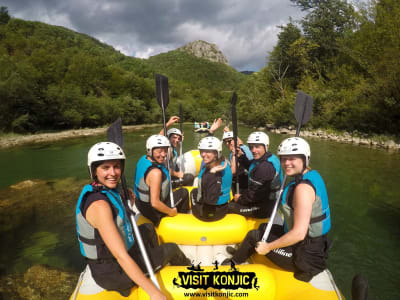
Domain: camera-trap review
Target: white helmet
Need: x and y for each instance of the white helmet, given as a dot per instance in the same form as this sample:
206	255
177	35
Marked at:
295	145
227	135
104	151
211	143
174	131
156	141
258	137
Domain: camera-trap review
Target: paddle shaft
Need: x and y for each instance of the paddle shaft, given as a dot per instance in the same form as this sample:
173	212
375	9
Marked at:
302	118
162	101
235	138
114	134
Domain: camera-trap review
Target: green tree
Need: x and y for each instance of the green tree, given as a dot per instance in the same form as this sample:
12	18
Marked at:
4	16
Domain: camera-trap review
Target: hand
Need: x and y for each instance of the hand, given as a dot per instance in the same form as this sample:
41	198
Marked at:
178	174
262	248
172	120
158	295
236	197
226	129
173	212
215	125
219	168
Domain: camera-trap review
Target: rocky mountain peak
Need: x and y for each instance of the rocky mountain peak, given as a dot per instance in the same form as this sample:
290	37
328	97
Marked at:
205	50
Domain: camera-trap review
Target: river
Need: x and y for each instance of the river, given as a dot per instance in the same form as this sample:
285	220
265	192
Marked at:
362	186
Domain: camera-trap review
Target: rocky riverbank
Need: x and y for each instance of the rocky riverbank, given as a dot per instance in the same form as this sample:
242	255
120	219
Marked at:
344	137
18	140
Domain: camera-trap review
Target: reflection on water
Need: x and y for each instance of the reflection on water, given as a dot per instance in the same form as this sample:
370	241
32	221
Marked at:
362	186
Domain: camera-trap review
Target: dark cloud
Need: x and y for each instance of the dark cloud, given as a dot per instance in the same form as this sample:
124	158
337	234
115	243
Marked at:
243	30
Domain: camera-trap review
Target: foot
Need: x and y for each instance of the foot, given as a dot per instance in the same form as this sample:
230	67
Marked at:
231	250
226	262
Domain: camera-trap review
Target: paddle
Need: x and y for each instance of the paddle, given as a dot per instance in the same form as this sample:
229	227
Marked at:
180	128
302	113
235	137
114	134
162	94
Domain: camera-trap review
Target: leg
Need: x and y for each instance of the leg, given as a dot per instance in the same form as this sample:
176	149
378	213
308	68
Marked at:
181	197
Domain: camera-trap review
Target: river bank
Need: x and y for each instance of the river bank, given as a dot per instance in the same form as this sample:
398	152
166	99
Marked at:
356	138
19	140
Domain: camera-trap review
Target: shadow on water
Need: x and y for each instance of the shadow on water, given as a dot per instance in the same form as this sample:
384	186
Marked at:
37	223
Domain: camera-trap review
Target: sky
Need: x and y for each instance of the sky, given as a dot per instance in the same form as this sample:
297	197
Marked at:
244	30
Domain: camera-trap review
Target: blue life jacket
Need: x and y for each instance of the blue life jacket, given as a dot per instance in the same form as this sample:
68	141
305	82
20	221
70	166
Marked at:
226	184
278	178
320	222
141	189
88	243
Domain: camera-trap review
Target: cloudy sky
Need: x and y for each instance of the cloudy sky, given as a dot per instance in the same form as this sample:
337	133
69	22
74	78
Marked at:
244	30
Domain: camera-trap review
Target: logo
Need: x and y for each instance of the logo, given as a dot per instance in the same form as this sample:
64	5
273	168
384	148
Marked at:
233	279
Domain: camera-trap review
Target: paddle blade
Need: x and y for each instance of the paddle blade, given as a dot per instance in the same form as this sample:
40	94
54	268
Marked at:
303	107
162	92
114	133
234	99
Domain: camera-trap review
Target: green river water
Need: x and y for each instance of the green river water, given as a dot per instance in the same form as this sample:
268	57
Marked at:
362	186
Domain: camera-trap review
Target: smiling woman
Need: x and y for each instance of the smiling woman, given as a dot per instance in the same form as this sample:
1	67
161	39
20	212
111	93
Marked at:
105	233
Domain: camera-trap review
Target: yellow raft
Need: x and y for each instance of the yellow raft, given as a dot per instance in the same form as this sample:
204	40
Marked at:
205	243
268	281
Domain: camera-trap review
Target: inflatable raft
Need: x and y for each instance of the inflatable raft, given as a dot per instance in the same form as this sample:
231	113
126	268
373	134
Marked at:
204	243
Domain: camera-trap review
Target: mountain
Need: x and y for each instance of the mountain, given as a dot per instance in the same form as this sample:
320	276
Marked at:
205	50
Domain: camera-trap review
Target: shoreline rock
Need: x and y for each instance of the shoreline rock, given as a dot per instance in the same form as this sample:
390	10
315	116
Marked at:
345	137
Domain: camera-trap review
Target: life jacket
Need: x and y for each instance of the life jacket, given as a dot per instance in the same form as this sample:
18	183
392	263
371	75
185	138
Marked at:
278	177
320	222
174	159
89	243
141	189
226	175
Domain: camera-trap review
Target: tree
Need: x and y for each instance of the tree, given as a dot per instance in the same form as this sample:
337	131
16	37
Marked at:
327	21
4	16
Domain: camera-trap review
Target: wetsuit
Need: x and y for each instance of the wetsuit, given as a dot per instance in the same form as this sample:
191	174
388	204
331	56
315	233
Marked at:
104	268
209	201
142	191
255	201
308	257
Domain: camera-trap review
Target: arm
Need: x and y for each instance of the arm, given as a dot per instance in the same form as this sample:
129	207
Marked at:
153	179
303	199
259	186
172	120
99	215
215	125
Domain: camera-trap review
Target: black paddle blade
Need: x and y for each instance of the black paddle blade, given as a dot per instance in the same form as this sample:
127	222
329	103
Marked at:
303	107
162	92
234	99
114	133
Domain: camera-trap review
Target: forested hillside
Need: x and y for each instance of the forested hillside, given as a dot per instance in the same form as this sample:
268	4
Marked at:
52	78
347	59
